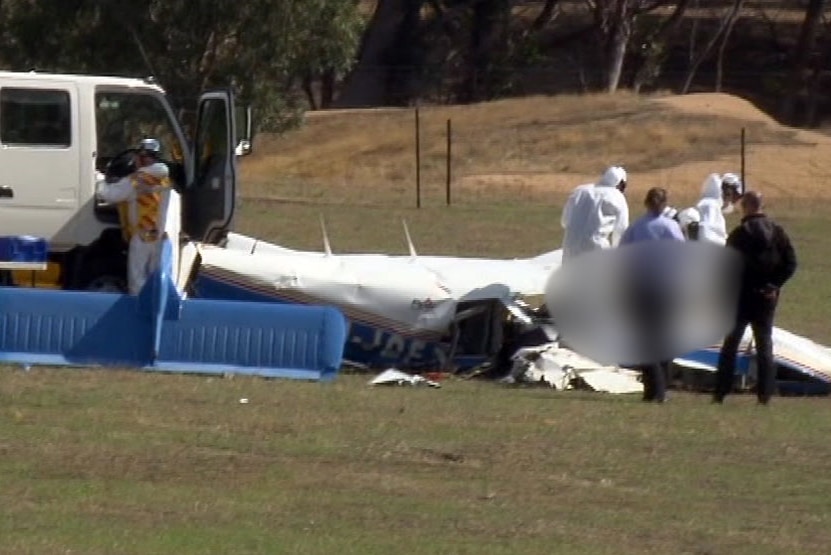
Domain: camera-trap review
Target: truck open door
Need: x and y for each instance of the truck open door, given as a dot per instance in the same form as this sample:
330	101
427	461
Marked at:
209	200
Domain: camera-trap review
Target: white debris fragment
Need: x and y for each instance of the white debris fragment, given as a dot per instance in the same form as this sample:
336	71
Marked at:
560	368
613	380
537	365
392	376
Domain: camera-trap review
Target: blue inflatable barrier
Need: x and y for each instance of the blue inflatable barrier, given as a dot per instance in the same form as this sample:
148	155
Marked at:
158	330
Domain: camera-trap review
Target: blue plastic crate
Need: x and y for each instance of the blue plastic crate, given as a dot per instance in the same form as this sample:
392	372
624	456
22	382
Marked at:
23	248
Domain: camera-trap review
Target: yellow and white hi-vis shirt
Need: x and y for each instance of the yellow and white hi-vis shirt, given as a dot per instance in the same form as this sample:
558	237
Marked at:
143	200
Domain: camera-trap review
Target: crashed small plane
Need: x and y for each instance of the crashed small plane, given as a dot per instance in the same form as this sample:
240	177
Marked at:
439	312
408	311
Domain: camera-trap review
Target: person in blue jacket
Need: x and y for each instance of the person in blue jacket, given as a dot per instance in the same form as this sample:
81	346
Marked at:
648	288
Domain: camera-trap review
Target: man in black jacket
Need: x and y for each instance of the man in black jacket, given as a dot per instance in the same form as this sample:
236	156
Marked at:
769	262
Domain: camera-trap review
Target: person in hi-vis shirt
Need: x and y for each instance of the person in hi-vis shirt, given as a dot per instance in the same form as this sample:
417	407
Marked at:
144	197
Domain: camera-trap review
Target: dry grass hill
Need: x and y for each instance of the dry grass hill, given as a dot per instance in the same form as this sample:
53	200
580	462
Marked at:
536	147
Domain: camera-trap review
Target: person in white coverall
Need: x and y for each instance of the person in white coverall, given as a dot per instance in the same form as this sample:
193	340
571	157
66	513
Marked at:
690	221
731	191
146	194
719	195
596	214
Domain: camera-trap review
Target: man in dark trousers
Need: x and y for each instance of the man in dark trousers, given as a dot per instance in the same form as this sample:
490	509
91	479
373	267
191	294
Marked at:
769	262
648	287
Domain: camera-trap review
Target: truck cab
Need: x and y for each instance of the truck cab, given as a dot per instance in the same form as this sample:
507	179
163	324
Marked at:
60	133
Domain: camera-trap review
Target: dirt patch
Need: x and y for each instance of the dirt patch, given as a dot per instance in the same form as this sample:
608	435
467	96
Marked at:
781	171
716	104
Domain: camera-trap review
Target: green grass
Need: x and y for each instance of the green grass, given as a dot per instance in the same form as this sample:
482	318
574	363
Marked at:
120	462
110	462
805	306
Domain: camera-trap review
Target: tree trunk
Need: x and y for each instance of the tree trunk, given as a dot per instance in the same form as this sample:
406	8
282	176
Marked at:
308	89
547	13
366	85
618	53
801	56
814	98
488	39
734	16
327	88
621	32
654	56
693	38
404	57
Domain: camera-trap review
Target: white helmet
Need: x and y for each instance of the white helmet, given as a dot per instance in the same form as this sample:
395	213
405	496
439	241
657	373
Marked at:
689	216
150	146
731	181
614	176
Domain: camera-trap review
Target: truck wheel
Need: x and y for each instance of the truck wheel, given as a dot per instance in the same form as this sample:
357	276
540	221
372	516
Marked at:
106	284
105	275
101	266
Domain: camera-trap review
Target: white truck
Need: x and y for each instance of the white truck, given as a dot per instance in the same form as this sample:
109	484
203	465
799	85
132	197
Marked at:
57	132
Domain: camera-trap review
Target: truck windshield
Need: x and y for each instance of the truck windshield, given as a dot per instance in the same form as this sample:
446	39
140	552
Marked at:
124	118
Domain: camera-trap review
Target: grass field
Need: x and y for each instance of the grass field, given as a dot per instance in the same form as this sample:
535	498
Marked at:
99	462
108	462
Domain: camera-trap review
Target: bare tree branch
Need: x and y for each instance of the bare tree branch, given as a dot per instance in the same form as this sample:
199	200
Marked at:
547	14
131	28
652	6
652	61
801	55
734	10
734	16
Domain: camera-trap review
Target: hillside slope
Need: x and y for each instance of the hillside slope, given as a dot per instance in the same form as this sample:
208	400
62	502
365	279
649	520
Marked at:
539	146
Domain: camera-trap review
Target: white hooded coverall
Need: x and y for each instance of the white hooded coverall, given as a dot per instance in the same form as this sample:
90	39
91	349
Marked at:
687	217
147	194
595	215
713	227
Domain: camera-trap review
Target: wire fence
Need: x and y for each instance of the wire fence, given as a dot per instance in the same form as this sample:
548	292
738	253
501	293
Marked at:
531	151
536	149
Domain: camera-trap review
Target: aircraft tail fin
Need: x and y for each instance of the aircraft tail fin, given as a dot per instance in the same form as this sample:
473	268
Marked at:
410	246
326	246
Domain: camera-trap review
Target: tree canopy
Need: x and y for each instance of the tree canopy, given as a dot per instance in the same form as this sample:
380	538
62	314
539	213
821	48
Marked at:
263	48
285	56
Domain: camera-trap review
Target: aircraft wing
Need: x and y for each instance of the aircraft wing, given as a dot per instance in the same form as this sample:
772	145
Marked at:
468	278
801	359
404	298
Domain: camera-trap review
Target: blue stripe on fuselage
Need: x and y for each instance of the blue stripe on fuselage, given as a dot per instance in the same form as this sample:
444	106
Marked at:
365	343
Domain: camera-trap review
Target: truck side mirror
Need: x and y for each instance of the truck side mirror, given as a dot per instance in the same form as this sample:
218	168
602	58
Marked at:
243	148
244	135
